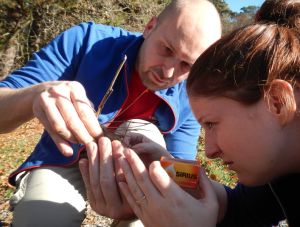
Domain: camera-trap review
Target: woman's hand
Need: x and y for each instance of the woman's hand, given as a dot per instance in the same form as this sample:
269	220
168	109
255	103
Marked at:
165	203
147	150
101	174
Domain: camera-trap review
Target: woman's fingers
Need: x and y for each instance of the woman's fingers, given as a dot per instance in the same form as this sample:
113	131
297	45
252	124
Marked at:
131	180
161	191
142	145
130	199
166	186
132	138
141	173
207	191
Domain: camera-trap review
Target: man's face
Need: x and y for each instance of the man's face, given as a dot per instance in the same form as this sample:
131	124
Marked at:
169	51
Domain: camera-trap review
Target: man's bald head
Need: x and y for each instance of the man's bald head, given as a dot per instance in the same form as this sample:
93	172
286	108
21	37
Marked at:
205	10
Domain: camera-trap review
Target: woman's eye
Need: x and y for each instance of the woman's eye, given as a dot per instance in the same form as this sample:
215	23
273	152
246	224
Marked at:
210	124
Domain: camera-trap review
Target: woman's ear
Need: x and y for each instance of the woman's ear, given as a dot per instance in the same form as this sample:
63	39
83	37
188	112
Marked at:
281	101
150	27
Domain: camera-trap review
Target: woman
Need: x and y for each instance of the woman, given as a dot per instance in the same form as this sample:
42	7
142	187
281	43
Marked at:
244	91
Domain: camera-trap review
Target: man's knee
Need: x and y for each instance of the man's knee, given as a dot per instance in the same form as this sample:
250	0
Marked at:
47	214
50	196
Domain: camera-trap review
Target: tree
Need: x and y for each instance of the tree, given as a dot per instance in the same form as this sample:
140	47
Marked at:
16	15
245	17
250	10
222	7
11	24
225	13
26	26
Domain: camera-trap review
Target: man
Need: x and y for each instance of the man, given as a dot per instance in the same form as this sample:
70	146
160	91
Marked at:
77	67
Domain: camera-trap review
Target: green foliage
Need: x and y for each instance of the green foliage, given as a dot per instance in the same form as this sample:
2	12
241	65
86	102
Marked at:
222	7
217	171
233	20
250	10
245	17
225	13
9	192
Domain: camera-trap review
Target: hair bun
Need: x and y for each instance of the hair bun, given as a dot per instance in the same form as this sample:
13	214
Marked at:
281	12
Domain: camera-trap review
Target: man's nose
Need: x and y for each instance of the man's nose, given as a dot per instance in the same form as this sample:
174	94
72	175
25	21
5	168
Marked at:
169	68
212	149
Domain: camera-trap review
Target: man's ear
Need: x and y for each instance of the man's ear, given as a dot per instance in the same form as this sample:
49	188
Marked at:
150	27
281	101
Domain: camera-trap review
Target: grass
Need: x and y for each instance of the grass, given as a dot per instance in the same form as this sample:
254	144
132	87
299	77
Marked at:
15	147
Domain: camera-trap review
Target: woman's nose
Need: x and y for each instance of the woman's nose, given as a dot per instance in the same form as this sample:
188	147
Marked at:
212	149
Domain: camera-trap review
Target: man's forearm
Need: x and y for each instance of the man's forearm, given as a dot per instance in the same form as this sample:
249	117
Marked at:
16	107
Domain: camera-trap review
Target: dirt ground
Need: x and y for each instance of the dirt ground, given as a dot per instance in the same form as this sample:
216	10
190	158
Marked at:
17	146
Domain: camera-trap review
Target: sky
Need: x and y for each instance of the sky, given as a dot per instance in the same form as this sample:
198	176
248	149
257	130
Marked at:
236	5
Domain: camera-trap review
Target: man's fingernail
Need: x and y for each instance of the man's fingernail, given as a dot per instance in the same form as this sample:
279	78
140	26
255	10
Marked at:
105	141
68	152
121	160
115	145
121	185
82	164
126	152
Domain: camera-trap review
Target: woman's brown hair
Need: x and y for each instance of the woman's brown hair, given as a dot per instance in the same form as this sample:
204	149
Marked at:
242	64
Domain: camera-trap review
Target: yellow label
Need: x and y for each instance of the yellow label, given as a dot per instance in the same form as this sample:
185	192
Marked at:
184	172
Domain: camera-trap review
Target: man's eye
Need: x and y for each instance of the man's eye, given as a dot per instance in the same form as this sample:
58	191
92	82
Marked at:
167	48
187	65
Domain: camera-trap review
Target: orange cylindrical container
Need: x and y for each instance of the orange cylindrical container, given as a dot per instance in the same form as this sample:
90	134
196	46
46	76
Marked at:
184	172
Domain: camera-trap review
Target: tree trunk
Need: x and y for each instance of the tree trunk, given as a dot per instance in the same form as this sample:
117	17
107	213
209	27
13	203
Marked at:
7	59
8	49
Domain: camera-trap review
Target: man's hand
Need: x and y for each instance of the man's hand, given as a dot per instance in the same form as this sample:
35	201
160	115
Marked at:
165	203
147	150
101	174
65	111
